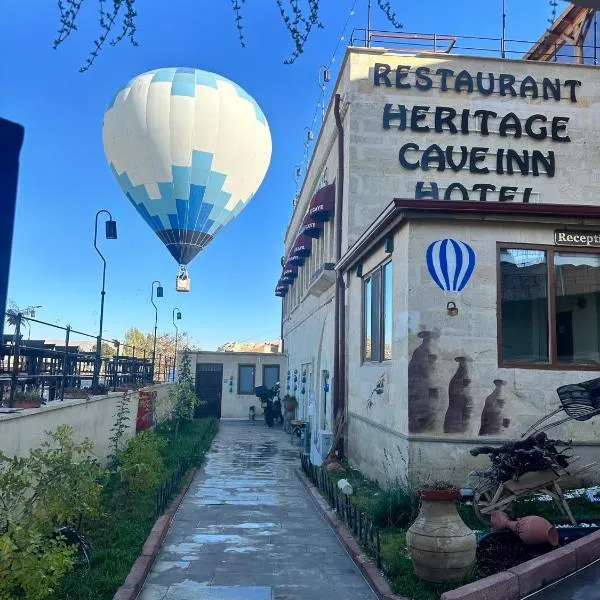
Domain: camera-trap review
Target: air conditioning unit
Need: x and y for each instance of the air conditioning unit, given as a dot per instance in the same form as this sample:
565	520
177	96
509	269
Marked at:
324	441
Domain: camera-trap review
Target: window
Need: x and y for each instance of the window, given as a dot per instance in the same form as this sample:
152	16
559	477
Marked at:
270	375
246	378
549	308
377	314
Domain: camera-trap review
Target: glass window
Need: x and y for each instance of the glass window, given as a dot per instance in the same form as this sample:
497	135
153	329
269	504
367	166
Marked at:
377	314
577	307
550	315
270	375
246	377
387	312
524	305
367	317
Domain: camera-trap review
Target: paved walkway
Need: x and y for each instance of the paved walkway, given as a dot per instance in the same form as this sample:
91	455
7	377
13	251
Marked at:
248	530
584	585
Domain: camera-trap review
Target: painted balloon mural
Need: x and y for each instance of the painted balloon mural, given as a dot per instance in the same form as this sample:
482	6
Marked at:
450	264
189	149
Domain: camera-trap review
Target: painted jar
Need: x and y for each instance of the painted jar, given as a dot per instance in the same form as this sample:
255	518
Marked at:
442	547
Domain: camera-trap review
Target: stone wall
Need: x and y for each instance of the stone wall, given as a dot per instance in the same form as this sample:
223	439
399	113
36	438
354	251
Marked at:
23	431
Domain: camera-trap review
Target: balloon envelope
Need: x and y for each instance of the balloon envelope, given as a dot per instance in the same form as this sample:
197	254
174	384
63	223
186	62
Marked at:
189	149
450	264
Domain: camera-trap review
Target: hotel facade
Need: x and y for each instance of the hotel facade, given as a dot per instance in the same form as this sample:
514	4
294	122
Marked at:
442	264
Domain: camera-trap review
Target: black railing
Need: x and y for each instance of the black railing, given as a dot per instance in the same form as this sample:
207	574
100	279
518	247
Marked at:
47	369
169	488
359	524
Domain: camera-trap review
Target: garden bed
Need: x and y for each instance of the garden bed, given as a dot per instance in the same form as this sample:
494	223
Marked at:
392	510
118	534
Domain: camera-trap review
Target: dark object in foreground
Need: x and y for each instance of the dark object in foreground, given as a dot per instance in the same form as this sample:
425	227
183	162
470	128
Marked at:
11	140
502	550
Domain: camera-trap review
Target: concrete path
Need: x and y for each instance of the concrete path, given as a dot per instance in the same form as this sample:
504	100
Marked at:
584	585
247	530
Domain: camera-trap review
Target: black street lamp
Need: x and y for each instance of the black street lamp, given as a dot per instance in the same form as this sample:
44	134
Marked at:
176	315
111	234
159	294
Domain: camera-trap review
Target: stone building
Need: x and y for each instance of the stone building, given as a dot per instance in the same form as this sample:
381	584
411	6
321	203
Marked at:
226	380
442	270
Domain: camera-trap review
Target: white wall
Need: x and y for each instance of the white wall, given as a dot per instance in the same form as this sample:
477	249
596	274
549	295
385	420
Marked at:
93	419
234	405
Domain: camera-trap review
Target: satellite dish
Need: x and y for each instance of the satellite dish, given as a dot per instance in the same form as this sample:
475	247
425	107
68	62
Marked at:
587	3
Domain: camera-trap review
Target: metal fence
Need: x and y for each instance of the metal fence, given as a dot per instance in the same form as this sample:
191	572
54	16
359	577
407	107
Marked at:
50	371
361	526
168	489
408	42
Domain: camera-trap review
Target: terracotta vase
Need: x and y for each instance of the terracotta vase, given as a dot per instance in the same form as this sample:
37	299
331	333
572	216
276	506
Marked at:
442	547
532	529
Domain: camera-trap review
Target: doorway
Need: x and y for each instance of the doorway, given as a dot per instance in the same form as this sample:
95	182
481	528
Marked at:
209	388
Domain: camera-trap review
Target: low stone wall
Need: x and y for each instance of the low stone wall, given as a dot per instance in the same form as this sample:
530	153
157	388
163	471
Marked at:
93	419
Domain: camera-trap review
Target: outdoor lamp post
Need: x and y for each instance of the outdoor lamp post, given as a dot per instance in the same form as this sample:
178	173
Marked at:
176	316
159	294
111	234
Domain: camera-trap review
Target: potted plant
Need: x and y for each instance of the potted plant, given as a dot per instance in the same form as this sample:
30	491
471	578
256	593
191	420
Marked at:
290	403
27	400
441	545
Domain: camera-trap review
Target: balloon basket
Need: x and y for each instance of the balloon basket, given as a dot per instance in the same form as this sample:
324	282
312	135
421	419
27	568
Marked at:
183	281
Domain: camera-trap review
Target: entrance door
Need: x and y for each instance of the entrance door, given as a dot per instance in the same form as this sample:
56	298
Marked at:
209	388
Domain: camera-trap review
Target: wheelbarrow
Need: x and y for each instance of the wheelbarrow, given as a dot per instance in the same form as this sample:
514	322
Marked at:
534	465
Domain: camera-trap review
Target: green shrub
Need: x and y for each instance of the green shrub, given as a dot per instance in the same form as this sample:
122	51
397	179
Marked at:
56	485
142	466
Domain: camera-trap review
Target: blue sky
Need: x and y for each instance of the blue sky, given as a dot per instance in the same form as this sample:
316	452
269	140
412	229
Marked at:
65	179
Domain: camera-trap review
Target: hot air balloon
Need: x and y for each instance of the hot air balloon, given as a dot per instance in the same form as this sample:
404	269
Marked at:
450	264
189	149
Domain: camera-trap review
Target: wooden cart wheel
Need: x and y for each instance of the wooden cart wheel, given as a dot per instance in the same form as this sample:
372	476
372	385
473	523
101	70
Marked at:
491	497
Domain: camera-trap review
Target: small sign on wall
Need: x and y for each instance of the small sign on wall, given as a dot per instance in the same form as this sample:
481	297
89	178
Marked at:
563	237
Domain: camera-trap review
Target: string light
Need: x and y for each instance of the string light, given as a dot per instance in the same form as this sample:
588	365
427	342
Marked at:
323	69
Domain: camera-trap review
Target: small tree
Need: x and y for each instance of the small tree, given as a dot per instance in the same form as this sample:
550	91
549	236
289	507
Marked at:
183	395
120	425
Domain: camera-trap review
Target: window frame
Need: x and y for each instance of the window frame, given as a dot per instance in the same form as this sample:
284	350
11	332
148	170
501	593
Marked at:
381	267
552	364
240	365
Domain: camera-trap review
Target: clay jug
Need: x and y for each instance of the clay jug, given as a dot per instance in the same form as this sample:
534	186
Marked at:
441	545
532	529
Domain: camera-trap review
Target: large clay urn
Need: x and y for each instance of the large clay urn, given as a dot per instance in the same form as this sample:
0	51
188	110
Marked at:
441	545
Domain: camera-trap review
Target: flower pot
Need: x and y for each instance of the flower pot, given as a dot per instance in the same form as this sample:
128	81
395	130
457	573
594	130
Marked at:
28	403
441	545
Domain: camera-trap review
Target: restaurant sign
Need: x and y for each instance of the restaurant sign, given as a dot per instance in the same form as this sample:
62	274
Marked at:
577	238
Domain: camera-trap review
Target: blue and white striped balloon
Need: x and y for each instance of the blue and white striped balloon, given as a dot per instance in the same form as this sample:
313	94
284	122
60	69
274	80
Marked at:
189	149
450	264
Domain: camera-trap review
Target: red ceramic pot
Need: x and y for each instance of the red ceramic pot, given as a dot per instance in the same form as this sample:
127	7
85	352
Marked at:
438	495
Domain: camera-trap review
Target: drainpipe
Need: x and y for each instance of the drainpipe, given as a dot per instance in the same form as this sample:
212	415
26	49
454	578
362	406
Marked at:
281	332
339	357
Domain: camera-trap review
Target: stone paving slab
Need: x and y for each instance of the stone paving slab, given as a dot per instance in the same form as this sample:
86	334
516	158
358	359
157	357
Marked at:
248	530
583	585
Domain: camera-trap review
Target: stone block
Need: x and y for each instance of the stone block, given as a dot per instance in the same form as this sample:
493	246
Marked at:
139	571
587	549
502	586
539	572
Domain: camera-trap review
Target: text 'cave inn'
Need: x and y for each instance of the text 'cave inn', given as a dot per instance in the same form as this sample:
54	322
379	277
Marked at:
441	276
